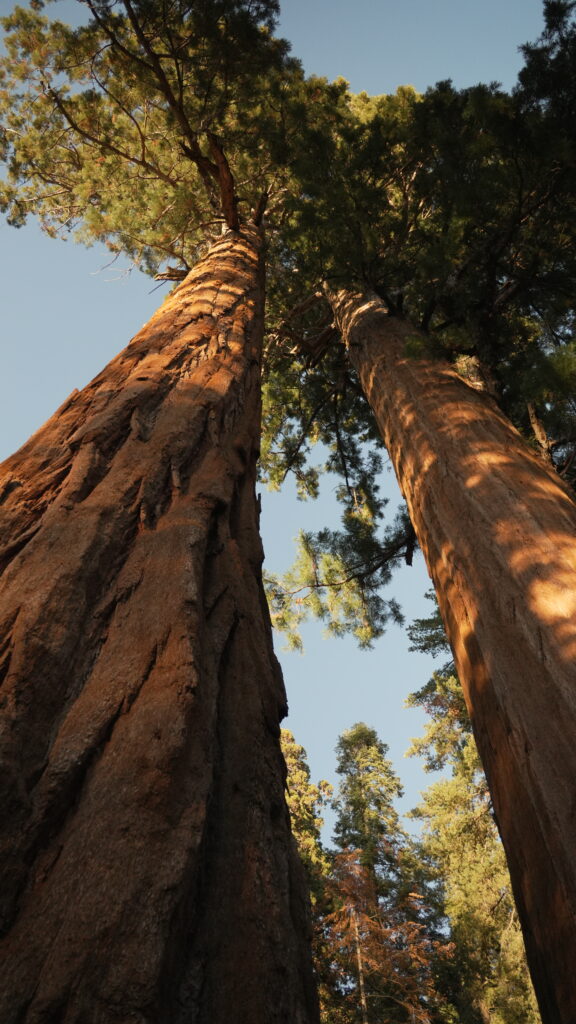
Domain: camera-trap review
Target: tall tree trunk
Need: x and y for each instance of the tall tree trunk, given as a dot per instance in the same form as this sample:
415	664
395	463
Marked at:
148	868
498	531
363	1002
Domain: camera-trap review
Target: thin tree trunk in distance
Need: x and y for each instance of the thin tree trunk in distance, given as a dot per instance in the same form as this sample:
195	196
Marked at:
363	1003
148	868
498	531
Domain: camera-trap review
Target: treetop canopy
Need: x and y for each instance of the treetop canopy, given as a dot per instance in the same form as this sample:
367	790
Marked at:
154	126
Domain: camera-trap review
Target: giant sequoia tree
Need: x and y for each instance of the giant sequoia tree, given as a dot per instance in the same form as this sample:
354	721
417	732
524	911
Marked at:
148	870
148	866
497	529
443	227
468	261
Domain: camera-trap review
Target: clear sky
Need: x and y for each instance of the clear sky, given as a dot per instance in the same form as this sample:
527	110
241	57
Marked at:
64	315
378	45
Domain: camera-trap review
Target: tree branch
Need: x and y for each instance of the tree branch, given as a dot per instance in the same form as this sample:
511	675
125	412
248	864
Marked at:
228	195
104	144
393	550
305	431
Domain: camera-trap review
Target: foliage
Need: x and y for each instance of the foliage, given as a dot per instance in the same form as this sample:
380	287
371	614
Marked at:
383	934
427	635
377	944
157	124
150	128
457	208
337	576
367	818
447	733
382	950
404	929
547	78
154	125
126	129
306	801
490	978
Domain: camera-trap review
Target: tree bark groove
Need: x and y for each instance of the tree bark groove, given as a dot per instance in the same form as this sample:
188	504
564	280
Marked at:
148	872
498	531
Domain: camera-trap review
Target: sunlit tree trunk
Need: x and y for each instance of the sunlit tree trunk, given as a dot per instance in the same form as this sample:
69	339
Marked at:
498	531
148	870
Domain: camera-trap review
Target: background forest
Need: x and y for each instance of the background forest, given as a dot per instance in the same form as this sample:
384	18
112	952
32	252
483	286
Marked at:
411	928
475	244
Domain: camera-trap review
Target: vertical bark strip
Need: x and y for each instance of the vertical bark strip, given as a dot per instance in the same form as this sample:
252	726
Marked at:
498	531
148	873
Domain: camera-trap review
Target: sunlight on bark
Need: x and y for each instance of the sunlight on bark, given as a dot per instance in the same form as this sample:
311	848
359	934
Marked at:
498	531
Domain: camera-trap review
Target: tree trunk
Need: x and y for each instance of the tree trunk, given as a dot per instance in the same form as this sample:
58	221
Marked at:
498	531
363	1003
148	869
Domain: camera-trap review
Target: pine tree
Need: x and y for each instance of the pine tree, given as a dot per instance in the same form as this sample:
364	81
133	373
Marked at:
380	933
306	802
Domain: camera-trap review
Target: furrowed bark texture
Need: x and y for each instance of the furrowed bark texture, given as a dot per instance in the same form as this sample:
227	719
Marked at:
498	531
148	869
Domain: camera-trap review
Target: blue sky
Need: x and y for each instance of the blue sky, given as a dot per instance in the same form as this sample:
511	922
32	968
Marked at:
378	45
65	314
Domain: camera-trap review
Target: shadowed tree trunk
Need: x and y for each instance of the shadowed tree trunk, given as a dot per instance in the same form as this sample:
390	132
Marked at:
148	870
498	531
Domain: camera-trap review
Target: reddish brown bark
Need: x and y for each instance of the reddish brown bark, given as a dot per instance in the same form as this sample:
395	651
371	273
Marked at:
498	531
148	869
